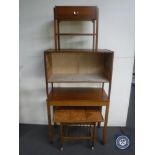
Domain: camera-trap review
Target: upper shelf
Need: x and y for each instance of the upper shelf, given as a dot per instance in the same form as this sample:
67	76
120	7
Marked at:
78	66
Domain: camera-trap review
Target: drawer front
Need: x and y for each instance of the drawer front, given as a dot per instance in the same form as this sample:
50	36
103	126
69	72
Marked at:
75	13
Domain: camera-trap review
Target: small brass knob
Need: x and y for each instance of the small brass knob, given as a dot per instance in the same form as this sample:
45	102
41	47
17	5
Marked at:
76	13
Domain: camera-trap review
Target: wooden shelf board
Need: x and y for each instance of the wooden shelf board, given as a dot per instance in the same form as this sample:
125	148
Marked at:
77	78
77	97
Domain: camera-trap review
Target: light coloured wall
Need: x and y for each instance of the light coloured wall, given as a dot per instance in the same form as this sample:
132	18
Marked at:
116	32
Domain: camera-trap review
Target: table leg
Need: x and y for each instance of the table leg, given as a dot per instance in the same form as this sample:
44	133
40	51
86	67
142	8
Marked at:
99	123
61	136
105	124
93	137
49	122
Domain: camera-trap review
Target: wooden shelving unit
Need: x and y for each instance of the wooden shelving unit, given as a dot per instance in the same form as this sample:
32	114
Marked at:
77	105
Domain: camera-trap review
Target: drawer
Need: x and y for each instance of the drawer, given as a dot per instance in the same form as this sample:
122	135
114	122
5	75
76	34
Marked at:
75	13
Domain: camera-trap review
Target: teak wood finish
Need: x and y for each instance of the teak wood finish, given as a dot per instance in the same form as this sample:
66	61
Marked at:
76	13
78	62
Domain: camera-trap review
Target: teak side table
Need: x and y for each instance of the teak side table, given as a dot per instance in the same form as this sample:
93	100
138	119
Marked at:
69	116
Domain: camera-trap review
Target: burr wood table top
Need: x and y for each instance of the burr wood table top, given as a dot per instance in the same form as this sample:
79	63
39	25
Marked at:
73	115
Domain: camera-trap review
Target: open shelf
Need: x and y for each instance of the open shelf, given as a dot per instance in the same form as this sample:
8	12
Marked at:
78	66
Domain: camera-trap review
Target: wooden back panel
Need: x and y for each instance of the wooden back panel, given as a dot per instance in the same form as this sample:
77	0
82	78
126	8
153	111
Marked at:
77	63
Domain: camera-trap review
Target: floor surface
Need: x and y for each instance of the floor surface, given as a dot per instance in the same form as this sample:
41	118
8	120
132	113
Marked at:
34	141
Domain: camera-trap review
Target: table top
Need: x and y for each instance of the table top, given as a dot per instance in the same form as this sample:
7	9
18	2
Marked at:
77	116
77	97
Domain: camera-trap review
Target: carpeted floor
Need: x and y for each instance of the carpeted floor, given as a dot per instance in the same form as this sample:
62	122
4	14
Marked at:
34	141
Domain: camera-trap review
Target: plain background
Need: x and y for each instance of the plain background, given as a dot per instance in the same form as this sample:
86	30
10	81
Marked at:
116	32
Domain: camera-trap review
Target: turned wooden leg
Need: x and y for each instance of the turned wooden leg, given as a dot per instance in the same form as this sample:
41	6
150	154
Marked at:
49	122
105	124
